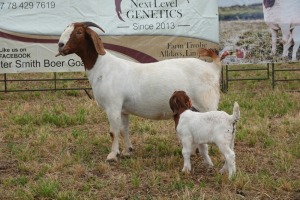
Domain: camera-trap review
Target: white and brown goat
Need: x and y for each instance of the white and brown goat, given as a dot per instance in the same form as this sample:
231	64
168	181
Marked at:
196	128
123	87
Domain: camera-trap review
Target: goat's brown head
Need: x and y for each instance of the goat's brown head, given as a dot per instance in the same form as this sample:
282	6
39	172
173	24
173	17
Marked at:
78	38
179	102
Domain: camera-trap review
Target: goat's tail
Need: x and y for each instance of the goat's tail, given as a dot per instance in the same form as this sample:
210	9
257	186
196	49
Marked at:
212	54
234	118
235	113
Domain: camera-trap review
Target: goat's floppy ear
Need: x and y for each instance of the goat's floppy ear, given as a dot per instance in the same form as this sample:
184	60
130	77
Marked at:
97	41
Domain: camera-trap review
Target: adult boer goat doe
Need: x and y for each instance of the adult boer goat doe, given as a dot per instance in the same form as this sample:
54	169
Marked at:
122	87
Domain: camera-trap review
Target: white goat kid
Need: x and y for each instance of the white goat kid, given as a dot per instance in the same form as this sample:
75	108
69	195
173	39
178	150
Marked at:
123	87
195	128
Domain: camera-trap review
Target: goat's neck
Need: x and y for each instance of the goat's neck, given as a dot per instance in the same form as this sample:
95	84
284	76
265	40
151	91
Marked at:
177	116
88	56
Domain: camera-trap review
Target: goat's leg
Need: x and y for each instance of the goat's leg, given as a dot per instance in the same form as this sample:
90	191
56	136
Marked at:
115	129
187	145
286	47
224	168
128	146
296	35
295	49
195	149
286	38
229	155
274	40
203	150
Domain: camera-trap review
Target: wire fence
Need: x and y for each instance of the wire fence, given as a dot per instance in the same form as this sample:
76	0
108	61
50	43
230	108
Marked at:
19	83
13	83
262	72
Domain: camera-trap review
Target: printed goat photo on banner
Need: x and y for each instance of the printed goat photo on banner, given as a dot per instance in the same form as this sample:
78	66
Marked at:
259	31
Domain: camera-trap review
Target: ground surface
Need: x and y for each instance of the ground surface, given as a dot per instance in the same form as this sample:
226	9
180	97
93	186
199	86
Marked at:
53	145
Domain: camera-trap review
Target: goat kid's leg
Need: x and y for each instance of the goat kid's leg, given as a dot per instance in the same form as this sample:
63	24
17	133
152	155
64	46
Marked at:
128	146
203	150
195	149
115	129
229	155
186	153
224	168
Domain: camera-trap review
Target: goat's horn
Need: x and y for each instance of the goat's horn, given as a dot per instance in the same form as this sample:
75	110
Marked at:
93	25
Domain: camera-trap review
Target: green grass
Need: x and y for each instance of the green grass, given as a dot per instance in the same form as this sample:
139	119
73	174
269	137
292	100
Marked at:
53	145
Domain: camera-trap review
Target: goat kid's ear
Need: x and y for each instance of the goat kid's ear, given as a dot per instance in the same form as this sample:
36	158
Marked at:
97	41
173	105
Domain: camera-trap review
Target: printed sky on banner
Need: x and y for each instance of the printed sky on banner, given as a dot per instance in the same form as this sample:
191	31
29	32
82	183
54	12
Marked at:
116	17
227	3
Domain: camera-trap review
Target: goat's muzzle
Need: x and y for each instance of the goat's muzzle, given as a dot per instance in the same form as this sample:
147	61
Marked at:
59	54
60	49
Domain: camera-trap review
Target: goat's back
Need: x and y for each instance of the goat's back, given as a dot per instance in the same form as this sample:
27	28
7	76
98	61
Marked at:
145	89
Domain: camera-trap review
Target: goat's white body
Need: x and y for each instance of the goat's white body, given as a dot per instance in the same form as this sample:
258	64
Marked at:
123	87
284	16
144	89
205	127
217	127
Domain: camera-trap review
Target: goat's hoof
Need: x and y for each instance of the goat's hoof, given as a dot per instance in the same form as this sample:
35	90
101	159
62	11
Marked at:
209	165
186	170
112	157
231	176
223	170
126	153
111	160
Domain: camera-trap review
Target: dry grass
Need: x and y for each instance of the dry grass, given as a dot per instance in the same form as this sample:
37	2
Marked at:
53	146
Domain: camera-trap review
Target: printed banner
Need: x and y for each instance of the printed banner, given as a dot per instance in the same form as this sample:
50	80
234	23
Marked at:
139	30
259	31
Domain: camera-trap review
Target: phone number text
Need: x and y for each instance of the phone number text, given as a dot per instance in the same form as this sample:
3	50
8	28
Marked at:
27	5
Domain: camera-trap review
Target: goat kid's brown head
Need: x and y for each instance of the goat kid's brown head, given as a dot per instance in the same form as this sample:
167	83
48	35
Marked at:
179	102
77	36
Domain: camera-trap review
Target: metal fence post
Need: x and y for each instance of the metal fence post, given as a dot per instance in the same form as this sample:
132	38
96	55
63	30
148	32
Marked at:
226	78
5	83
273	76
55	81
